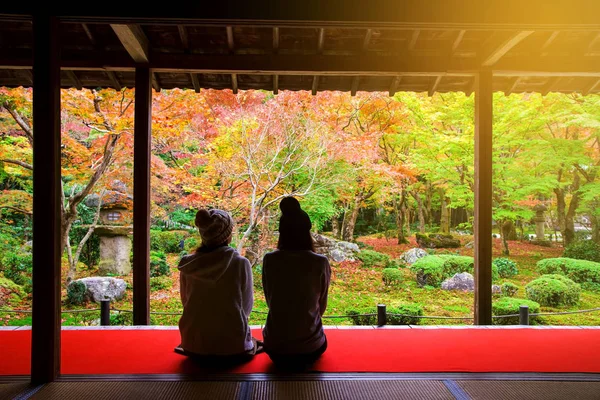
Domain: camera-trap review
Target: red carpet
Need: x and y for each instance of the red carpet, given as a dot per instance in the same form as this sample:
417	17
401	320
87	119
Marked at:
365	350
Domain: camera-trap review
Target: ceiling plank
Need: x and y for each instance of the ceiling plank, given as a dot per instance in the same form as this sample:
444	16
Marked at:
134	40
458	40
230	43
315	85
549	42
394	86
500	51
73	77
88	33
591	46
234	83
435	85
115	81
367	39
275	84
320	41
275	40
413	39
195	82
354	87
184	37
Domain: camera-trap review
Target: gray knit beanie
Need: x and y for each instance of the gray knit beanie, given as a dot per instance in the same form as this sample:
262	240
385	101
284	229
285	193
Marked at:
215	226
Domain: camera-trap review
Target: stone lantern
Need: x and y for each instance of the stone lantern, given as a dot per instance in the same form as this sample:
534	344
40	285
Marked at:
114	229
540	221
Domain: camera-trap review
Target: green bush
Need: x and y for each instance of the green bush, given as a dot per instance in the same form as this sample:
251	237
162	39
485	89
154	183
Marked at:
17	267
591	286
509	289
391	276
363	245
160	283
553	290
166	241
583	250
372	258
158	264
510	306
76	292
408	313
506	268
121	318
578	270
191	244
432	270
9	291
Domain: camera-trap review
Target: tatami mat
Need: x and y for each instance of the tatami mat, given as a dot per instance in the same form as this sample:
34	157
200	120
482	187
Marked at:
531	390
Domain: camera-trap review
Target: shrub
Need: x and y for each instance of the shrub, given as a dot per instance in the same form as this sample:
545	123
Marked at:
509	306
166	241
158	264
432	270
506	268
392	276
583	250
121	318
553	290
509	289
363	245
578	270
9	291
591	286
408	313
17	267
160	283
372	258
191	244
77	292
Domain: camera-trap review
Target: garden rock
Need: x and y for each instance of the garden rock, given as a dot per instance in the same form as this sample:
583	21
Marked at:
496	289
102	288
335	250
437	241
412	255
463	281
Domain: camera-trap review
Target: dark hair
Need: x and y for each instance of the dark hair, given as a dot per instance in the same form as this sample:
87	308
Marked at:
294	227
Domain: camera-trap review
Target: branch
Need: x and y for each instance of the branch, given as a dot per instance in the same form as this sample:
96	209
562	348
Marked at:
19	210
88	233
20	163
20	121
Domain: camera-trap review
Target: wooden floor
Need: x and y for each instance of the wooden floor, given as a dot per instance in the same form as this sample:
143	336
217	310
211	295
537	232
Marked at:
312	386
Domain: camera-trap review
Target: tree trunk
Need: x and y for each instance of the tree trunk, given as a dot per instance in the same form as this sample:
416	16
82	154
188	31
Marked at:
560	210
350	220
595	228
507	227
569	229
445	214
421	211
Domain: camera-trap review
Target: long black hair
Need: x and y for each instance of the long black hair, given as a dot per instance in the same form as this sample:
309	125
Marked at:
294	227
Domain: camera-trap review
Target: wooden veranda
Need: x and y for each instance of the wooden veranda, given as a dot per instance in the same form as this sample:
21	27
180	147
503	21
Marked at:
381	45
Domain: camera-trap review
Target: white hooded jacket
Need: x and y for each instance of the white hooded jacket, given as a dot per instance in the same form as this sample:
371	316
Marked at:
216	292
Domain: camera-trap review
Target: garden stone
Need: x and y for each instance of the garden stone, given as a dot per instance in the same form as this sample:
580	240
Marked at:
496	289
463	281
470	245
412	255
334	250
103	288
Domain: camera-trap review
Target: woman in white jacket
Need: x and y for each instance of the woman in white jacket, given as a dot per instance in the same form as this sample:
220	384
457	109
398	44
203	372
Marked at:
216	292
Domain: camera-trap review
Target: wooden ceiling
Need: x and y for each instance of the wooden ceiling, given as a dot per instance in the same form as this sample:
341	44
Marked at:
430	56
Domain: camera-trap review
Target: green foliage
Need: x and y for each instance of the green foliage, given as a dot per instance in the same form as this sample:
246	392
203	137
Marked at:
184	216
76	292
578	270
583	250
160	283
591	287
432	270
90	254
391	276
509	289
372	258
166	241
158	264
510	306
553	290
437	241
407	312
10	291
121	318
17	267
191	244
363	245
506	268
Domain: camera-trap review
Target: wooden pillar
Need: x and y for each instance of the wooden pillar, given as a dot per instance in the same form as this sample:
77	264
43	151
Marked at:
483	198
45	339
141	196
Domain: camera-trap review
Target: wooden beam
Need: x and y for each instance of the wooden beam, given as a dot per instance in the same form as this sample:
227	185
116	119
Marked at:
88	33
195	82
435	85
155	82
483	198
500	51
141	195
275	40
230	43
234	83
394	86
592	45
315	85
513	86
134	40
73	77
549	42
552	81
47	251
113	77
275	84
354	88
458	40
367	39
320	41
592	87
184	37
413	40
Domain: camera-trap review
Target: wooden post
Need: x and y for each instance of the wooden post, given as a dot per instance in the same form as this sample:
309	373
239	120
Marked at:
45	337
483	198
141	196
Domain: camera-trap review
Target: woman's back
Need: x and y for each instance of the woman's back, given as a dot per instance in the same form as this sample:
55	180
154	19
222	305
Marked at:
295	285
